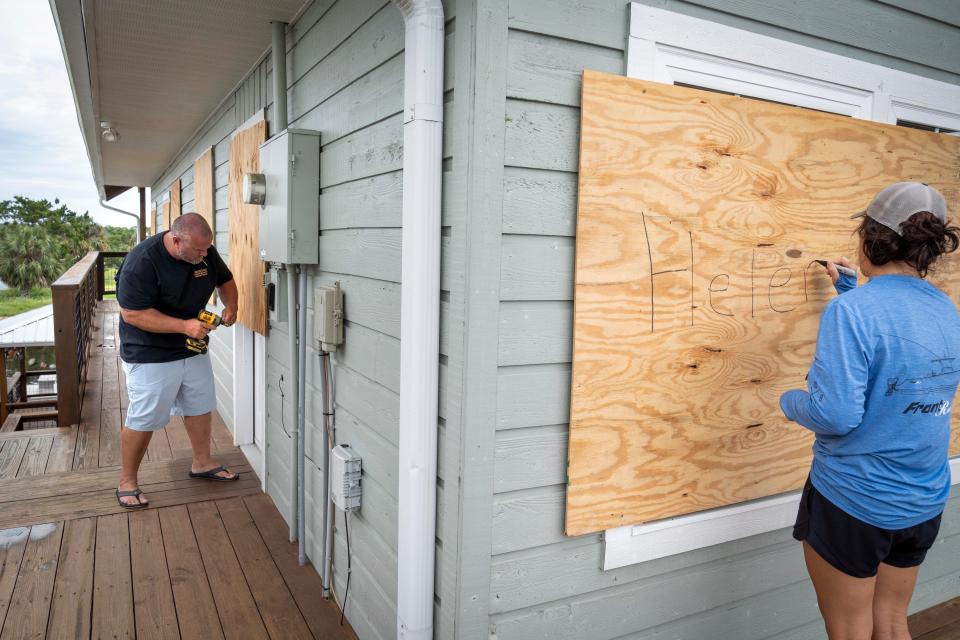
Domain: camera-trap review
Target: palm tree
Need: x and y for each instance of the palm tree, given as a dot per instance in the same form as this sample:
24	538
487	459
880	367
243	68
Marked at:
27	257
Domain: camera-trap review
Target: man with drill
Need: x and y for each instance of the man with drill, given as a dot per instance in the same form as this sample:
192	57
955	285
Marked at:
162	286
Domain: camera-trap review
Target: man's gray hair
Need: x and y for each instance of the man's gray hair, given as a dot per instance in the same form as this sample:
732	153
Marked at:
191	224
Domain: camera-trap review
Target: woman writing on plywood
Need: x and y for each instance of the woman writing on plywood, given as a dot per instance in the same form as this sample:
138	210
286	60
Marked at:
879	400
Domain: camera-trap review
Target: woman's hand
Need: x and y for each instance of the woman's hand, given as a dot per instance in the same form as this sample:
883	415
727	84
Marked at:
842	282
832	268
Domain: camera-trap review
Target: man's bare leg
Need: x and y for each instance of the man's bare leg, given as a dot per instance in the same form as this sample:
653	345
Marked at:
198	429
133	446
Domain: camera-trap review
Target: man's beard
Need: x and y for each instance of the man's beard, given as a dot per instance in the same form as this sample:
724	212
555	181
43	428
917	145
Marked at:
197	261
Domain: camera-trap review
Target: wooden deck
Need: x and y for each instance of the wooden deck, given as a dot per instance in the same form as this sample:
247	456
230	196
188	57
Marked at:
206	560
939	623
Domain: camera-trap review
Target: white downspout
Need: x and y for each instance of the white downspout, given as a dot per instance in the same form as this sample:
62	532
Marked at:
419	315
126	213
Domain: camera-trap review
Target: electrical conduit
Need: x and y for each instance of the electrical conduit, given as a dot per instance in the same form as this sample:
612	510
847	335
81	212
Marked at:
279	59
301	414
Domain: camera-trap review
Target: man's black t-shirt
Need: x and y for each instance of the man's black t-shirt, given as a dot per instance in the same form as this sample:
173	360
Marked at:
150	278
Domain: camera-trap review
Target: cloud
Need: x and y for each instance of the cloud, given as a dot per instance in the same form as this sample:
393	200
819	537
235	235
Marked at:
42	154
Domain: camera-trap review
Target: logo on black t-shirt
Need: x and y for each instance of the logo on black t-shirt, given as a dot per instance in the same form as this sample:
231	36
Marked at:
200	273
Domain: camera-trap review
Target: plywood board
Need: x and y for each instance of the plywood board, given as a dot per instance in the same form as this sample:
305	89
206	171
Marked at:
175	204
697	302
203	189
165	214
153	221
244	230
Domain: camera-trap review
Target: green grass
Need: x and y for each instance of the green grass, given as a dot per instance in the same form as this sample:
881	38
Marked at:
109	273
11	303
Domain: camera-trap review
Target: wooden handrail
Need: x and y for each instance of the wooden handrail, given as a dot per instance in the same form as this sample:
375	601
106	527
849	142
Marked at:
31	404
75	296
73	277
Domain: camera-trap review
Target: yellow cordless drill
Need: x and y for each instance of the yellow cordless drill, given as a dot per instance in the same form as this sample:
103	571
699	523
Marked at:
206	317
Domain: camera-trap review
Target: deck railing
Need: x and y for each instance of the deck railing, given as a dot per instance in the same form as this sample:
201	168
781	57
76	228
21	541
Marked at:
107	261
75	296
15	396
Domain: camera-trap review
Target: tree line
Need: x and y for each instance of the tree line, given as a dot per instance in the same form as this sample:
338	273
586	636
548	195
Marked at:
39	240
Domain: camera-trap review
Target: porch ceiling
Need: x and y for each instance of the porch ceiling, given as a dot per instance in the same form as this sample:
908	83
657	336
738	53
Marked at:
155	70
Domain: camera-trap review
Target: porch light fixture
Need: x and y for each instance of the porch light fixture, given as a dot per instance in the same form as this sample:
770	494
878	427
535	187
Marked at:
107	132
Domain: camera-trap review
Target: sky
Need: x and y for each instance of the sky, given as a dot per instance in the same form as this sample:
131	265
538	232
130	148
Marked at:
42	154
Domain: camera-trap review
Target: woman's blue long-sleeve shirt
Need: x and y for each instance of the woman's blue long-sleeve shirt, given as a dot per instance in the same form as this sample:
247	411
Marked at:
879	399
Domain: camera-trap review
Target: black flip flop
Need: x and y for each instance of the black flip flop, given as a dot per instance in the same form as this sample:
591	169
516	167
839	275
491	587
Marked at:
211	474
135	493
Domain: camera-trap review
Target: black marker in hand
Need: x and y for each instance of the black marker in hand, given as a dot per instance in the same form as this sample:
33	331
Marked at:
847	271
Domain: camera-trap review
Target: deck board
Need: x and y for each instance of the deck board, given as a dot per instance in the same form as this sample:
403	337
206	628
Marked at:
238	611
154	611
69	483
62	452
35	459
277	607
109	454
87	454
11	455
159	448
12	544
322	616
112	584
196	611
179	440
937	623
29	607
104	502
72	600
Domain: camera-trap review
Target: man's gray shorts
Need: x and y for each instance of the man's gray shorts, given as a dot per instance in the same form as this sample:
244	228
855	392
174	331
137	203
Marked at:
158	390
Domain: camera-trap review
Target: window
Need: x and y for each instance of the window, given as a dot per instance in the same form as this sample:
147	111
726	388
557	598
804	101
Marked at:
926	127
668	47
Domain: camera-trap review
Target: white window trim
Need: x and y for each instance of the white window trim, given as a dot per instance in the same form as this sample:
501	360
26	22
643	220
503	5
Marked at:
668	47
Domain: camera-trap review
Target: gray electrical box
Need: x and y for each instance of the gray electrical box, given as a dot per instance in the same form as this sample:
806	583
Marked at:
328	317
275	281
290	213
345	473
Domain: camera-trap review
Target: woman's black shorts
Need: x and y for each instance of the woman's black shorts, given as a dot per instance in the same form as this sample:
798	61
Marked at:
852	545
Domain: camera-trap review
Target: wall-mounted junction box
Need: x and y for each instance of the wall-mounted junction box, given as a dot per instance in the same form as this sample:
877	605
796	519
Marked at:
290	213
328	317
345	470
275	281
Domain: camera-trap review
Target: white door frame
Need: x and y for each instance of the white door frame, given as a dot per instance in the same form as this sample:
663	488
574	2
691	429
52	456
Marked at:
249	397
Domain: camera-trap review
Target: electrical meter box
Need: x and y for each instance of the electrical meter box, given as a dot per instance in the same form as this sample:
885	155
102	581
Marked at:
290	213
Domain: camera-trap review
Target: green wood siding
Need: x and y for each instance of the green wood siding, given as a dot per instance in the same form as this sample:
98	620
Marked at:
504	569
543	584
345	79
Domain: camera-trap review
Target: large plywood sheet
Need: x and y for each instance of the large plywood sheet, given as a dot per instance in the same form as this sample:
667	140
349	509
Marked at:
697	298
244	234
153	221
165	214
175	205
203	190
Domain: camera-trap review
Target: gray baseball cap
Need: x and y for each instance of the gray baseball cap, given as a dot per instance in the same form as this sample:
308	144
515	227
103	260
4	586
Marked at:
895	204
